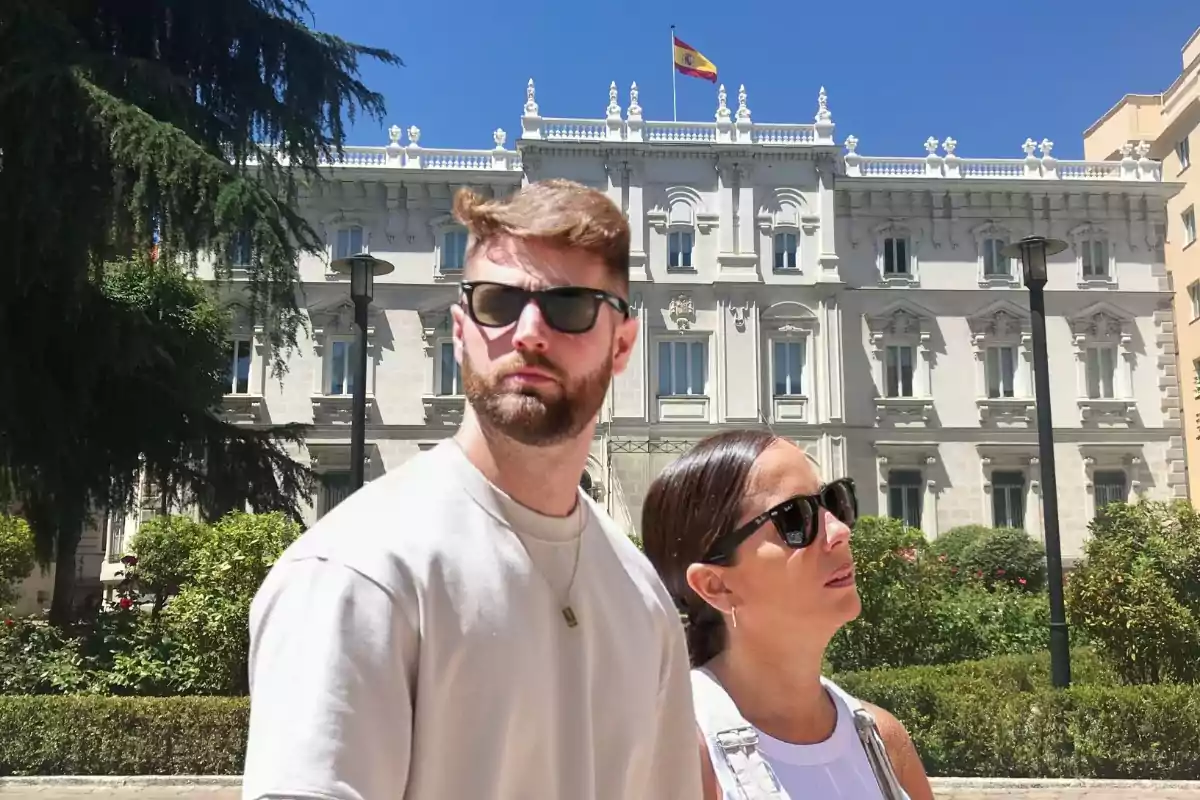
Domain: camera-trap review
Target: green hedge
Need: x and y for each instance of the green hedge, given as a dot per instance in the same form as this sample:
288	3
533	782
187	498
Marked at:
995	718
1001	718
88	735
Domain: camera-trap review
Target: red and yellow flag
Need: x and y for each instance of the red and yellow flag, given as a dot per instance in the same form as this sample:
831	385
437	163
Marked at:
689	61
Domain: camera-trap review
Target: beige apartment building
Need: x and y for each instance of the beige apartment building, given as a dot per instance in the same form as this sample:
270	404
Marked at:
1162	127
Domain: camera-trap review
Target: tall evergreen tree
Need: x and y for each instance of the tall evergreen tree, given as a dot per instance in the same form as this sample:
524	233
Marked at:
138	127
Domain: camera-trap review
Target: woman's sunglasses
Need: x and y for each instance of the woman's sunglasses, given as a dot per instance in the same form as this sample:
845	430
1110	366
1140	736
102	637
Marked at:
797	519
566	309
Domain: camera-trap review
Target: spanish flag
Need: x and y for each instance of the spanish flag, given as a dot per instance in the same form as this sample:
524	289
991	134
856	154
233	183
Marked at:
689	61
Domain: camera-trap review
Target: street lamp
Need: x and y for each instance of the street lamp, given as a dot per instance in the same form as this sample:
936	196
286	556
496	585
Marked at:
1033	251
362	269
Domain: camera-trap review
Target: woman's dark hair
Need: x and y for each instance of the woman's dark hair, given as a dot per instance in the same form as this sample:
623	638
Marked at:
696	499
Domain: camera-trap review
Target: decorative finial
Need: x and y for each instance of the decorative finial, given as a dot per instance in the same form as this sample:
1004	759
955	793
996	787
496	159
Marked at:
1029	146
949	146
823	114
1045	147
414	135
1143	149
498	136
394	134
931	145
743	111
531	106
851	144
722	104
635	110
1127	150
614	108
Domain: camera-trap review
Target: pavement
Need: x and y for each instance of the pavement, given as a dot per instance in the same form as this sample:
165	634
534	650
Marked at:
228	788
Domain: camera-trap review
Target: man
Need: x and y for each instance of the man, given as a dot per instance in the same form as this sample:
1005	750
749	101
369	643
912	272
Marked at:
470	626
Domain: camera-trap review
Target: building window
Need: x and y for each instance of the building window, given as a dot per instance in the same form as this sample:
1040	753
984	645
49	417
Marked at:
904	496
995	264
349	242
896	257
1008	500
898	370
1109	486
1001	371
681	369
237	380
335	487
786	247
1189	225
1183	151
1095	258
341	368
787	365
454	251
449	371
240	251
680	256
1194	297
1101	369
116	536
150	504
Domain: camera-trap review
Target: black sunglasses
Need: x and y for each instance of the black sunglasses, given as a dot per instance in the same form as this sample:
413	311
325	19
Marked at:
798	519
566	309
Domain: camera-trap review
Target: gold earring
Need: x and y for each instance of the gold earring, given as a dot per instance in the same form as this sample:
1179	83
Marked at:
733	613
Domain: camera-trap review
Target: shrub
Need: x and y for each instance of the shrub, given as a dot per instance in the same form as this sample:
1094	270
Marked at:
992	718
210	618
199	645
954	542
165	549
16	556
915	611
995	720
51	735
995	556
1137	595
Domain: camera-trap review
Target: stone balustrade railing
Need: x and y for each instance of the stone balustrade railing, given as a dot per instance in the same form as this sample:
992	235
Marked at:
736	126
1032	167
729	126
413	156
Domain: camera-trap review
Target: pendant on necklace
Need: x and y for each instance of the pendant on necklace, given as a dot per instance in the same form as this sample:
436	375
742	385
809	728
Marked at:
569	615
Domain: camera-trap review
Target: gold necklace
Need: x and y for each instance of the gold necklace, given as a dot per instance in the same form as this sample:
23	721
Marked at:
566	609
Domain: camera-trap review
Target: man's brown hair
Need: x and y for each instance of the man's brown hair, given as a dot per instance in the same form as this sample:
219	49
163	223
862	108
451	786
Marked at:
556	211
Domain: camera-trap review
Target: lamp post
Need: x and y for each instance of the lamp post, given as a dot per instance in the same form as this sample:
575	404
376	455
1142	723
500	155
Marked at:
1033	251
362	269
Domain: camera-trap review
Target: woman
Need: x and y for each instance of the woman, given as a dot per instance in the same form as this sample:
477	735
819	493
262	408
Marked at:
757	551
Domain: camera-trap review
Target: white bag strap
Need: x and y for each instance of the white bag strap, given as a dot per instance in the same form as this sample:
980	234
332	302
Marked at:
872	743
852	702
741	770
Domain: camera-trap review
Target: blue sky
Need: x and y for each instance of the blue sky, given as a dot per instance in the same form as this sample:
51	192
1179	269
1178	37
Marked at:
987	73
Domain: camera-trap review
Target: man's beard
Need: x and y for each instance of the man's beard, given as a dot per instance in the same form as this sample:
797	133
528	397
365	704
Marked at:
535	416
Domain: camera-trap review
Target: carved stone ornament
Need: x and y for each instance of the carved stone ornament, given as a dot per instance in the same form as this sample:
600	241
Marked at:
902	322
1100	325
682	311
1001	324
435	323
531	106
739	312
635	108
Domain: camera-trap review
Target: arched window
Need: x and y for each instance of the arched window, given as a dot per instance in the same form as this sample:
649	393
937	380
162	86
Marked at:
585	483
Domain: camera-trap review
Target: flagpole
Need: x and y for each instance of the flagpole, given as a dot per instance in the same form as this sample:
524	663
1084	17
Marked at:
674	107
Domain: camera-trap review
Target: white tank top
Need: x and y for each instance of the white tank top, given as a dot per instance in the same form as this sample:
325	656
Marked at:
835	769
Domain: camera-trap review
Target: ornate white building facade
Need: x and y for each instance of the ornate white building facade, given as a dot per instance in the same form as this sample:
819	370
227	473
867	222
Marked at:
855	304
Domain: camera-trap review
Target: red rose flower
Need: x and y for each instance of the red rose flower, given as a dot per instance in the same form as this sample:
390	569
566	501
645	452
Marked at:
125	603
